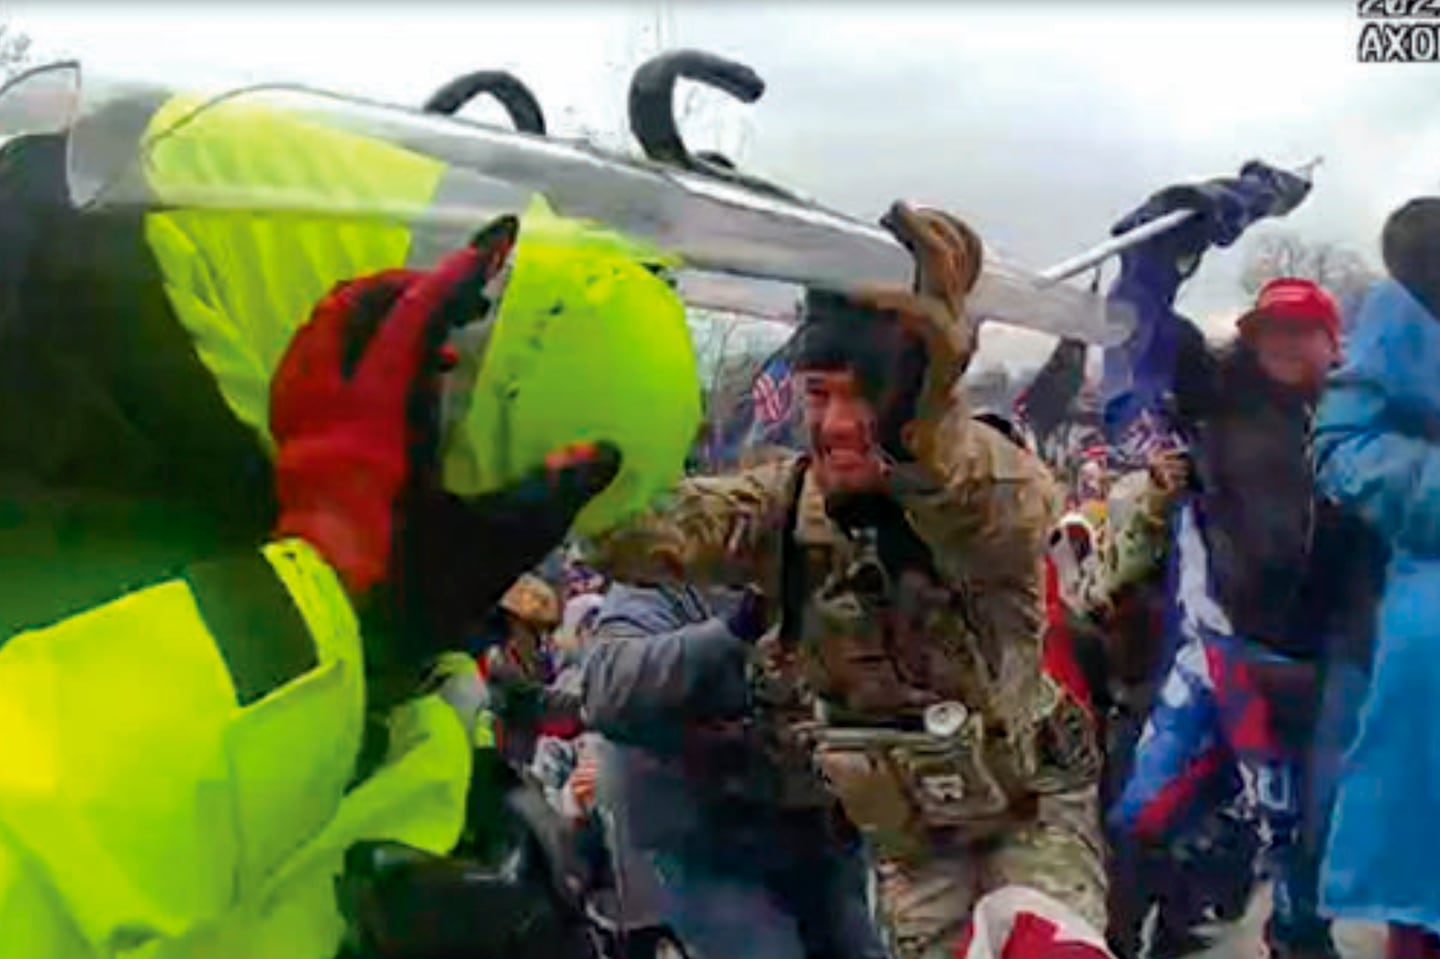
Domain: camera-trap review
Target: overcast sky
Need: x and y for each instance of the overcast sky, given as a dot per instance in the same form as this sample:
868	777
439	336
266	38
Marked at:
1040	123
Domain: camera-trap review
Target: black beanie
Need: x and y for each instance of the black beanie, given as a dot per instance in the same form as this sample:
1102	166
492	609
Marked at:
837	333
889	364
1410	244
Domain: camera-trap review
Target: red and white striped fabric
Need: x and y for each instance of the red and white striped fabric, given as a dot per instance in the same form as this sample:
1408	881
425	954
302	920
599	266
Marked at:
771	392
1017	922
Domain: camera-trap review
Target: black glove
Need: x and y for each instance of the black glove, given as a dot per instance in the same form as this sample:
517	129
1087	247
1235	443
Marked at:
460	555
404	903
750	617
1189	239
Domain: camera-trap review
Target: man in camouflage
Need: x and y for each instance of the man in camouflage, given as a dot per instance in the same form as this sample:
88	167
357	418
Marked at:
904	554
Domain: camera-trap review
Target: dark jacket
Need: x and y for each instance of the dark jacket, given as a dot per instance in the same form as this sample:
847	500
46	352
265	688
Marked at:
659	667
1250	443
1287	565
1276	551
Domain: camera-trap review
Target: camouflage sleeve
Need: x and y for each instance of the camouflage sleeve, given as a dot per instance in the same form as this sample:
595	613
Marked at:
984	506
720	531
1138	540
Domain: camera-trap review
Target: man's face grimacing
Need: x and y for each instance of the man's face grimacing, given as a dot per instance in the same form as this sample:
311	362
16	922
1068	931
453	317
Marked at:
841	426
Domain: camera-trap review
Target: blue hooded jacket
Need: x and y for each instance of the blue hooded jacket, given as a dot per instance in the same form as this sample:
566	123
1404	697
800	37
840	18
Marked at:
1378	453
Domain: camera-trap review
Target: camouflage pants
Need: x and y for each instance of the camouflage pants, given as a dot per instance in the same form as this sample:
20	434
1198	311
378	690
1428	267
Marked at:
924	908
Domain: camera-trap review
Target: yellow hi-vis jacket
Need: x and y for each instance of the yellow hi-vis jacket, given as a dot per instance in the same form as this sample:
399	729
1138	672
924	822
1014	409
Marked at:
176	764
175	769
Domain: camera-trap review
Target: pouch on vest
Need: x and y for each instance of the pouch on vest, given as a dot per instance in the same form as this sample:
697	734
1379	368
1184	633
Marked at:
902	784
951	780
870	791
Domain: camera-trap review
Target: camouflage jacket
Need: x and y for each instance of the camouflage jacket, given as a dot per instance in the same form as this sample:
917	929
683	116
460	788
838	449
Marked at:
877	651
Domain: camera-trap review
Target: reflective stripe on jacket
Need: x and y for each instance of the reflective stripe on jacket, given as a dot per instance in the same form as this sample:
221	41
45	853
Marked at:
176	764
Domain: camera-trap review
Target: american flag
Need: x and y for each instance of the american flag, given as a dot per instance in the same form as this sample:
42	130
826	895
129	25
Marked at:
1146	434
579	578
772	394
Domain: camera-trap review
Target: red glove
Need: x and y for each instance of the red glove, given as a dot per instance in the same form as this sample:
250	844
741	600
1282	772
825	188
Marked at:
352	404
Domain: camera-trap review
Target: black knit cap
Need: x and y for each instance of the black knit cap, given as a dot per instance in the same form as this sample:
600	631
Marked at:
1410	244
838	334
889	364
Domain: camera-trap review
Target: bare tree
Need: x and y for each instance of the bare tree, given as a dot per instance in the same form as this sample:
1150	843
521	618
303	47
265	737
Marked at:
592	135
729	370
707	118
14	51
726	374
1341	270
734	378
710	123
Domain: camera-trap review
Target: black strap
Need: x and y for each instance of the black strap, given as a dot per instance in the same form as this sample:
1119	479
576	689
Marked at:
793	564
257	629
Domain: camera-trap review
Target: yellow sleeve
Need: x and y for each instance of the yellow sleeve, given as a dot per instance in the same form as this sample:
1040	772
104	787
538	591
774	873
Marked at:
164	752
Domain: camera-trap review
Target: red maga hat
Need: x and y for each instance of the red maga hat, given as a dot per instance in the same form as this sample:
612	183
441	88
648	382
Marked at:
1292	300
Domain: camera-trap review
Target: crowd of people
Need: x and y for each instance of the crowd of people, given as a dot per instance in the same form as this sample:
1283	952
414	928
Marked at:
1209	602
911	682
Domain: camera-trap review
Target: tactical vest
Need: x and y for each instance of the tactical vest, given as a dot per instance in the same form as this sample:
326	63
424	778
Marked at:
901	697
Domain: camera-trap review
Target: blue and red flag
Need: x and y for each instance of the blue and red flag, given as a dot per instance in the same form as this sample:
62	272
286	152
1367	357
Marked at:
766	415
771	395
1210	718
1140	373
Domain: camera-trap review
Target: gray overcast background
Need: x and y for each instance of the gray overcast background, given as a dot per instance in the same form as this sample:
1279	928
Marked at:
1040	123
